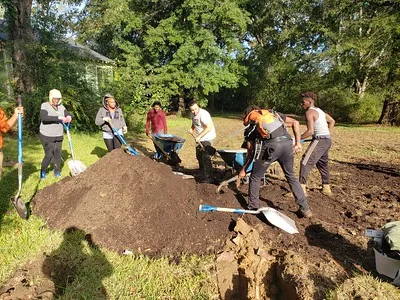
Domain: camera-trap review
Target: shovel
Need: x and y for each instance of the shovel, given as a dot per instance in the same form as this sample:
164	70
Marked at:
273	216
129	149
76	167
17	201
210	150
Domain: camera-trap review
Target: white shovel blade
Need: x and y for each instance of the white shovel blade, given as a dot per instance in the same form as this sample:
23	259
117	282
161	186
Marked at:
76	167
279	220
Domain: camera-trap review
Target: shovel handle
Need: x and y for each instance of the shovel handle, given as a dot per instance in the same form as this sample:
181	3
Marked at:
197	143
19	100
207	208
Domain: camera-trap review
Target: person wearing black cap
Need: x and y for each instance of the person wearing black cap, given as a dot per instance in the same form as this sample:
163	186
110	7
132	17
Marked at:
111	112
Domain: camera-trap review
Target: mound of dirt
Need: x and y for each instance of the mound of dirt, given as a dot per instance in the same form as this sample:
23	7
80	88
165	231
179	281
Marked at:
135	203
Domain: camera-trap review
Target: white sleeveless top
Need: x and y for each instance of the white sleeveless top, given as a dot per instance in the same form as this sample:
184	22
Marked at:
320	125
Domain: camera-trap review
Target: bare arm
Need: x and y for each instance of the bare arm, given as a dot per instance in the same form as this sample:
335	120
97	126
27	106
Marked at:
310	118
207	128
290	122
331	122
250	146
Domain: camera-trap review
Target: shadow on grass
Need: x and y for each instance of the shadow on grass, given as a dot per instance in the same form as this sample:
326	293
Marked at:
75	271
99	152
9	186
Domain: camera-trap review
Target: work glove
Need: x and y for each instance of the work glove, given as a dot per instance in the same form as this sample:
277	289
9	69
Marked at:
124	130
106	119
68	119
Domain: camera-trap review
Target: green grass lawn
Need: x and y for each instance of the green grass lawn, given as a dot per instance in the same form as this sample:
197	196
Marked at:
126	277
132	277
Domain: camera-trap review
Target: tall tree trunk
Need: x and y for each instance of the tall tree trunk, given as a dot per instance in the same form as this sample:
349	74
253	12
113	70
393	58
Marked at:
21	34
181	105
384	110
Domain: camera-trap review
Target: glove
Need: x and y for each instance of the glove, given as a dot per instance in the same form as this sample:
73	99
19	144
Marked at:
62	119
68	119
124	130
106	119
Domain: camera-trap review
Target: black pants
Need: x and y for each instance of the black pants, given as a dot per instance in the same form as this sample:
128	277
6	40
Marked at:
113	143
204	159
316	155
52	147
281	150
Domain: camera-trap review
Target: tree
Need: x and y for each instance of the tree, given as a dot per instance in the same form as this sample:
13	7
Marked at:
182	48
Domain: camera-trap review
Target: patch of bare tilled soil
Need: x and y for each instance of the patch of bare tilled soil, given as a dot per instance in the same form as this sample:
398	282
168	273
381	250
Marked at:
132	202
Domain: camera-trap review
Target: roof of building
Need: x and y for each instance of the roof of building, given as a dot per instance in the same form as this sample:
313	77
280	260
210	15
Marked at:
83	51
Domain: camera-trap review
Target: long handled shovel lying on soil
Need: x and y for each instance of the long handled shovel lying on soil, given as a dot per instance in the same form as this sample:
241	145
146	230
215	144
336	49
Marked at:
17	201
128	149
76	167
273	216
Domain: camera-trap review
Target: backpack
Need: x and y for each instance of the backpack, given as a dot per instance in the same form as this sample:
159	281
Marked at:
266	122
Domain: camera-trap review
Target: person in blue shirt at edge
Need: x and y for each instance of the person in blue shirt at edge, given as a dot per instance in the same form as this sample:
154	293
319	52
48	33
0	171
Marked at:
267	130
319	126
52	114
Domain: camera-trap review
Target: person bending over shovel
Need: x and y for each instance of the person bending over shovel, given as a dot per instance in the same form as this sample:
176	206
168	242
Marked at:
111	112
52	114
269	130
203	125
5	126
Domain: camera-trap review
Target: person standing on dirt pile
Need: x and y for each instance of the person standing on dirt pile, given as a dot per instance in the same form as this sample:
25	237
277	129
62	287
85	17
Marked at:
111	112
53	115
268	129
319	126
5	126
203	126
156	118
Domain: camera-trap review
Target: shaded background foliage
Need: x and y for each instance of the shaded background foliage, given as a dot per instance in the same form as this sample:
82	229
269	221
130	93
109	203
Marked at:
226	54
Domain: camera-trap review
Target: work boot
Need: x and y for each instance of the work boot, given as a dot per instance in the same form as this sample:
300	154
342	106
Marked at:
326	190
304	187
306	213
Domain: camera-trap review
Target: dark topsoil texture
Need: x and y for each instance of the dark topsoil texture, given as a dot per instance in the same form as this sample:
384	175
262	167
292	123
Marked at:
135	203
132	202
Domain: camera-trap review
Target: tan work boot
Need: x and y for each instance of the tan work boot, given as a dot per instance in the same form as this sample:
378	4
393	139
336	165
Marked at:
304	187
326	190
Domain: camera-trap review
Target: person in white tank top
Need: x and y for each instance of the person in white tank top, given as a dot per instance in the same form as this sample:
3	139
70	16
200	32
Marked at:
319	126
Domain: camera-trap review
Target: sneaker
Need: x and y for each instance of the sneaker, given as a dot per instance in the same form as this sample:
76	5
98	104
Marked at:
57	174
42	174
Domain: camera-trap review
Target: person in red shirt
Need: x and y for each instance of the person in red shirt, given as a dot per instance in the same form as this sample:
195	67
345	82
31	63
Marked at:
156	123
5	125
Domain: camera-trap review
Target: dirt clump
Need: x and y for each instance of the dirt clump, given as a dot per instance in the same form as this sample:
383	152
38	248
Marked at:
135	203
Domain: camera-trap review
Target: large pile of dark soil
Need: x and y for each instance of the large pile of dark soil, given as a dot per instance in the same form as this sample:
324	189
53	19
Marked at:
135	203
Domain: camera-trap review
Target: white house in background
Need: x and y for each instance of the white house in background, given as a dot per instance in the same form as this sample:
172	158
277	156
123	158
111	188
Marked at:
99	69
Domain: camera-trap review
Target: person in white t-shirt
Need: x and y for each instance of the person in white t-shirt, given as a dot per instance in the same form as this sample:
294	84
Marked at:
204	132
